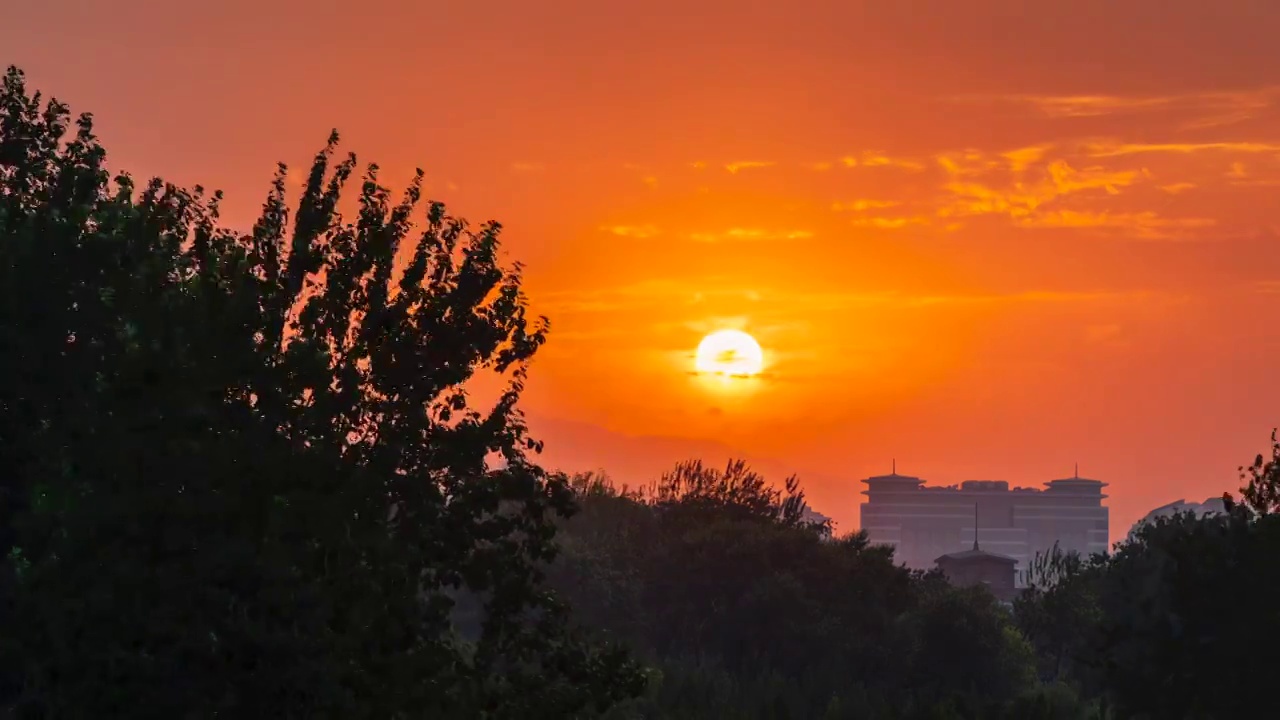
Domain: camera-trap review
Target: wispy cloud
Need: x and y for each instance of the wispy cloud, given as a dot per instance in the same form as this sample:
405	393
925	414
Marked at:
861	205
1073	106
1199	110
750	234
1035	192
873	159
631	231
966	162
1022	158
1145	225
735	167
970	194
890	223
1067	179
1101	150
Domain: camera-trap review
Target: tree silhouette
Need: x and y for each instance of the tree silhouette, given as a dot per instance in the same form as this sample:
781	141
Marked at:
1261	490
242	473
737	490
747	611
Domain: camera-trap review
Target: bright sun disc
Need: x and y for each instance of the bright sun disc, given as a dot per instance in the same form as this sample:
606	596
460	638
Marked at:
729	352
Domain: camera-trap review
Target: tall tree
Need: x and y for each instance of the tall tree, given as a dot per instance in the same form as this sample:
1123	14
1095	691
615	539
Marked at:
243	474
1058	612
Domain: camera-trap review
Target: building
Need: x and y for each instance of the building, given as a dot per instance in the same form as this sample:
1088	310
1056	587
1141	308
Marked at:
813	516
1211	506
923	523
998	573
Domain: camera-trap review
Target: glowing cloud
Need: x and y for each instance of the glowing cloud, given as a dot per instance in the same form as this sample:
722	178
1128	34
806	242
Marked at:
1022	158
1205	110
1068	180
874	160
892	223
734	167
631	231
861	205
1144	225
1100	150
750	234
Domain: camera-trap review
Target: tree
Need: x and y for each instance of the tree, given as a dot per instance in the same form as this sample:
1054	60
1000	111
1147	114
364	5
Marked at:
1261	490
965	649
735	492
1185	603
749	611
1058	612
242	473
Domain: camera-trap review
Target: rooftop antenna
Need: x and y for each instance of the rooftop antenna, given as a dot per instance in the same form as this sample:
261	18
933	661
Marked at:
975	526
1077	475
895	466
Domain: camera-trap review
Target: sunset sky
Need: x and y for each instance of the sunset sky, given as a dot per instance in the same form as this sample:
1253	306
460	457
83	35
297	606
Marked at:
987	238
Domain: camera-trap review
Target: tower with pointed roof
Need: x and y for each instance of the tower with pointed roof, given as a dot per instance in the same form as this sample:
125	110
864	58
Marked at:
996	572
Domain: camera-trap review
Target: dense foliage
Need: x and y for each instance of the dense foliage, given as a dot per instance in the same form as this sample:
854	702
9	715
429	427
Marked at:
752	613
241	475
745	610
1170	624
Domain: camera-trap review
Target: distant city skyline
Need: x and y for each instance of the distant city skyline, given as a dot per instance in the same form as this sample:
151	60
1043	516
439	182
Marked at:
923	522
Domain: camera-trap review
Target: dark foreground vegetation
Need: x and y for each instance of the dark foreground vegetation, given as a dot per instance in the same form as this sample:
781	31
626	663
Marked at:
241	476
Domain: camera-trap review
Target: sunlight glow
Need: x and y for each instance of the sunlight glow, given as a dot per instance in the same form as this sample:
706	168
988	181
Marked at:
731	353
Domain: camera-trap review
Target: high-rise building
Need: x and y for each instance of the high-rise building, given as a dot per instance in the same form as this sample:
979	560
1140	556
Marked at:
923	522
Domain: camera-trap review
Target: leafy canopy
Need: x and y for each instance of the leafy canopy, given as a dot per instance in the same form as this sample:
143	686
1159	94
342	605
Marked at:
242	473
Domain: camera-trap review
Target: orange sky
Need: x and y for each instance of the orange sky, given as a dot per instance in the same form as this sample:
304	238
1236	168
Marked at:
988	238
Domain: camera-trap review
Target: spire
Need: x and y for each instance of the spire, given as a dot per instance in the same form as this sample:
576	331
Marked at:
975	526
895	466
1077	475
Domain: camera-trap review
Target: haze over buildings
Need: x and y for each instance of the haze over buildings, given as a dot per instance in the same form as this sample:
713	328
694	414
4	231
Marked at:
1211	506
924	522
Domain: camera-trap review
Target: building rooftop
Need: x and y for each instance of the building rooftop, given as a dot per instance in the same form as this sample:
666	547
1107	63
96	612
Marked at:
1076	482
976	554
985	487
894	477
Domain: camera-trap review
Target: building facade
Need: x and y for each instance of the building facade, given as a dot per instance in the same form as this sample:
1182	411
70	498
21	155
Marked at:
997	573
1211	506
923	523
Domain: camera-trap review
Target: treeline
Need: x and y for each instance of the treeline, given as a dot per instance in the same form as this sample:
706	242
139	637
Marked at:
743	610
241	476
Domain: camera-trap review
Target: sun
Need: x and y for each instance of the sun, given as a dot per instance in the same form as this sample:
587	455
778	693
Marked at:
731	353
